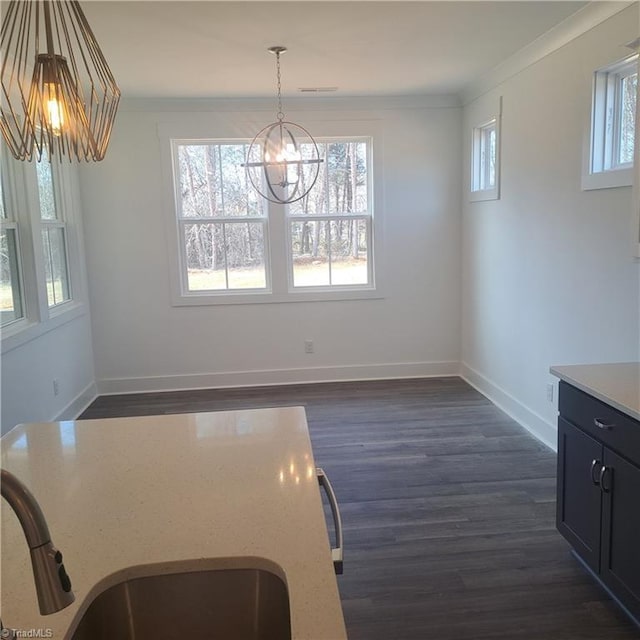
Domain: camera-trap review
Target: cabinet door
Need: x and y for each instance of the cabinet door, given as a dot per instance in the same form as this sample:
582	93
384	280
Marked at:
579	496
620	563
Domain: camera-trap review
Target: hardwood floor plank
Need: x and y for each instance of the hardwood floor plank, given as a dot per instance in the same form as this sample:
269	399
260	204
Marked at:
448	509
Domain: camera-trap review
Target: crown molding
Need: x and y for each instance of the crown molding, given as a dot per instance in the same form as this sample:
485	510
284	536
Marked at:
297	103
564	32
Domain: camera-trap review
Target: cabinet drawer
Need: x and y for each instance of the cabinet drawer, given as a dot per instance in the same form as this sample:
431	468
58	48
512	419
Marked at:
611	427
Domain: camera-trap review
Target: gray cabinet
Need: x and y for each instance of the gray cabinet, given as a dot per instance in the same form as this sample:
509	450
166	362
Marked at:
598	506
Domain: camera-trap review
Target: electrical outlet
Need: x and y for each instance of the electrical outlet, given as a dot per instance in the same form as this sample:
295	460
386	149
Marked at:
550	391
308	346
56	387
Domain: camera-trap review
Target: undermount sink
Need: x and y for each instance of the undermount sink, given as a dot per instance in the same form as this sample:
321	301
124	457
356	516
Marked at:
230	604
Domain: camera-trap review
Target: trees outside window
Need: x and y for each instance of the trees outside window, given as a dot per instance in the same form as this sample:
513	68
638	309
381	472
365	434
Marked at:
230	237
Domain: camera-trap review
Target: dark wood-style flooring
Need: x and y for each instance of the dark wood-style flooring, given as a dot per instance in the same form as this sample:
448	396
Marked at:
448	511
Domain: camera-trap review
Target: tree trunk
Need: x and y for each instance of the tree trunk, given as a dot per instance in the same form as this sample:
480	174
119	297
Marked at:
210	171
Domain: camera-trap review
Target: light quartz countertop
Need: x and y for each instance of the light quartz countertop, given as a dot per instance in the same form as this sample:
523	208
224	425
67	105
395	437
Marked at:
617	384
128	497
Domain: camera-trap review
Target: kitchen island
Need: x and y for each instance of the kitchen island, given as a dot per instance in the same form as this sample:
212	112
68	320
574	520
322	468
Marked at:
131	497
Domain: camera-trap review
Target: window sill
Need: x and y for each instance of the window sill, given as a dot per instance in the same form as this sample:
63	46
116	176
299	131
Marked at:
19	333
607	179
276	298
484	194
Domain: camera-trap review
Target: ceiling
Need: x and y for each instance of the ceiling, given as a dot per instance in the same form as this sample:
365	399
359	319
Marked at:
215	49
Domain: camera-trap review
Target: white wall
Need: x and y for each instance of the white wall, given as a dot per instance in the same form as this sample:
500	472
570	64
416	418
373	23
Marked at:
28	371
142	342
548	270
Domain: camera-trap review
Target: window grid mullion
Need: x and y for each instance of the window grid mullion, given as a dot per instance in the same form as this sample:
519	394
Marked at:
221	179
329	243
226	254
335	216
617	120
221	219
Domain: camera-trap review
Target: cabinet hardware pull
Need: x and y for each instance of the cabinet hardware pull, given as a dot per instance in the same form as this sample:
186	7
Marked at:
603	473
594	479
605	426
336	554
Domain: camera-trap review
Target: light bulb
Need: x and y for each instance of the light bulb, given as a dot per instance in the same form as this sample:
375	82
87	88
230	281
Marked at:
53	108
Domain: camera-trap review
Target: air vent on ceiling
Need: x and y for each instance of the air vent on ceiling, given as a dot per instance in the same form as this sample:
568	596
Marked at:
317	89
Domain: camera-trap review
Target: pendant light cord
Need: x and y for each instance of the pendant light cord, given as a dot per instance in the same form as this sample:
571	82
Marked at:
280	114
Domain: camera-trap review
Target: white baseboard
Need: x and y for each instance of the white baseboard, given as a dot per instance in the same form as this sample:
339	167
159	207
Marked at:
110	386
529	419
544	431
78	404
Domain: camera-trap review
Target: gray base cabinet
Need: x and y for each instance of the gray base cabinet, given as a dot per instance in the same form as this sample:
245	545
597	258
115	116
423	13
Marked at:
598	507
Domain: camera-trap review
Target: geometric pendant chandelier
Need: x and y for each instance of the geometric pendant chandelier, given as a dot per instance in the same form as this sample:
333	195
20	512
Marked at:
283	160
59	97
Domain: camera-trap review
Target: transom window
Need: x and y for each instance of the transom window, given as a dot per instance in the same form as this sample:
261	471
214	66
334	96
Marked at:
232	241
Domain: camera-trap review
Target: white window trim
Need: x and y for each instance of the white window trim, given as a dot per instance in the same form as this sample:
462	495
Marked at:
281	289
493	115
39	318
596	148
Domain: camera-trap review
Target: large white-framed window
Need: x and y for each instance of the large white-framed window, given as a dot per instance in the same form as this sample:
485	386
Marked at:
610	150
230	245
485	157
40	249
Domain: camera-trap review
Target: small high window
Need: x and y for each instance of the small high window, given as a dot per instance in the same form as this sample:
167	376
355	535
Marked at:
484	170
612	135
485	155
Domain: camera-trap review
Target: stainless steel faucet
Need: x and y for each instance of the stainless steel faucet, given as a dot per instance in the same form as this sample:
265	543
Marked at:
52	582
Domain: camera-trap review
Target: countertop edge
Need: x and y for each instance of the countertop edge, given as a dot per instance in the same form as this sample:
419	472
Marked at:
561	373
